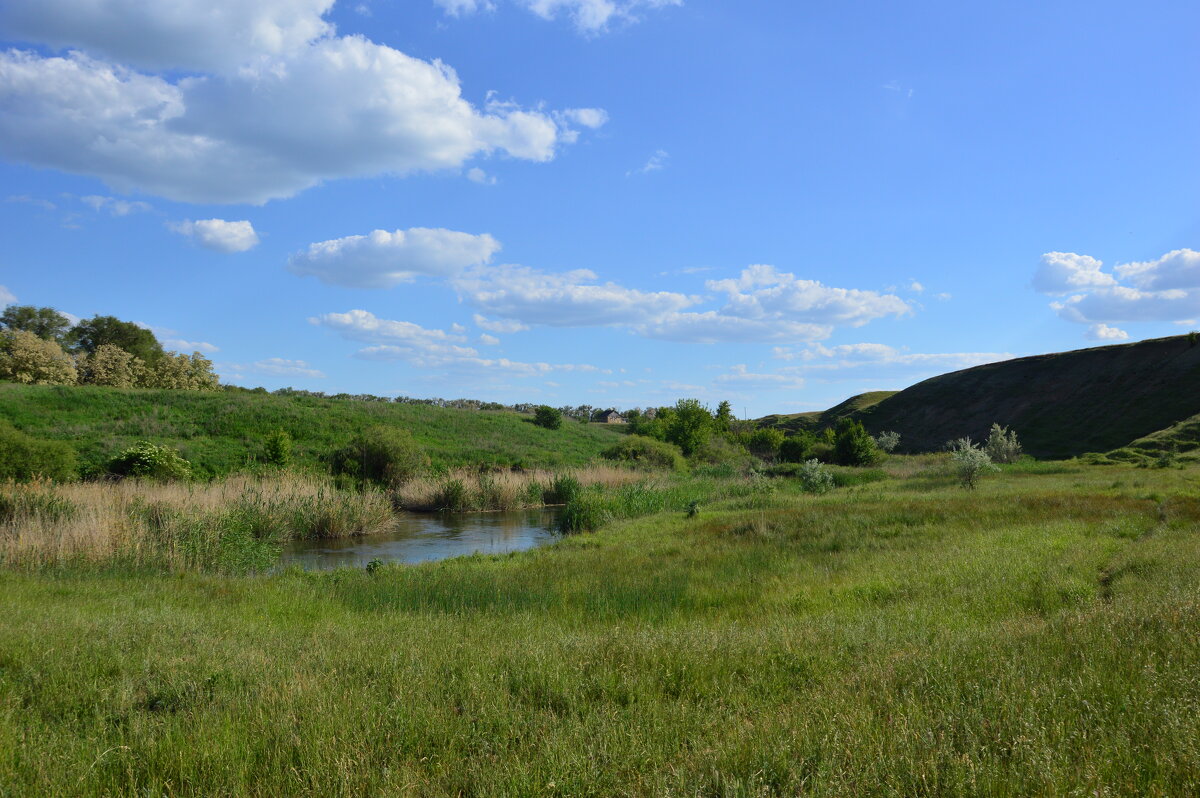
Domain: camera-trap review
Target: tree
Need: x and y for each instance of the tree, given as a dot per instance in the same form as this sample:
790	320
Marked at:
765	442
548	417
887	441
174	371
724	415
26	358
112	366
797	448
970	462
689	425
1002	445
386	455
90	334
45	323
278	448
853	445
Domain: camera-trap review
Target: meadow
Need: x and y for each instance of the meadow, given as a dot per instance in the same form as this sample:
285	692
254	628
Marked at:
894	636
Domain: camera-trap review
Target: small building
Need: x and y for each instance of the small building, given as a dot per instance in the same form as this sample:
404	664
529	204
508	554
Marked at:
613	417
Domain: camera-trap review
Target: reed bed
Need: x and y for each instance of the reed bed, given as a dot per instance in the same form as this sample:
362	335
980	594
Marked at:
232	525
465	489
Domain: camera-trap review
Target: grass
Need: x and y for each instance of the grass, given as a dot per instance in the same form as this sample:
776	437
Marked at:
1035	636
222	433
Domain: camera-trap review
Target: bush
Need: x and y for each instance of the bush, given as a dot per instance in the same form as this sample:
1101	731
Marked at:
1002	445
970	462
643	451
562	490
278	448
23	457
31	360
821	451
814	477
887	441
384	455
548	417
144	459
853	446
765	442
797	448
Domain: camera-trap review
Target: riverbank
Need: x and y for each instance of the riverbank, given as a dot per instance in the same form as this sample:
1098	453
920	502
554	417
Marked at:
1034	636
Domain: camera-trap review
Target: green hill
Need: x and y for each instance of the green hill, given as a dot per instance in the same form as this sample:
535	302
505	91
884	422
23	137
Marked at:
1061	405
815	420
221	432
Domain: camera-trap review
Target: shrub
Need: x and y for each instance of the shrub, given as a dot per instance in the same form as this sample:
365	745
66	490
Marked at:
970	462
643	451
23	457
821	451
765	442
28	359
1002	445
797	448
887	441
110	365
689	426
852	445
563	490
548	417
144	459
385	455
814	477
278	448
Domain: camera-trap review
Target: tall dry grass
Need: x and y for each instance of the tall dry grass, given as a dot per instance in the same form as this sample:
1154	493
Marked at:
472	489
234	524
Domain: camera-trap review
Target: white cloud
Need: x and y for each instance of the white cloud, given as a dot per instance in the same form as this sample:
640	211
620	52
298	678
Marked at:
765	293
567	299
1102	332
426	348
116	207
7	297
1064	272
589	16
1124	304
195	35
477	175
818	357
741	376
489	340
916	287
180	345
301	106
944	297
711	327
499	325
587	117
218	234
270	367
384	260
656	162
37	202
1177	269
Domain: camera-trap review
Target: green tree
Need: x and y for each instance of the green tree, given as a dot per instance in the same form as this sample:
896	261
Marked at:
724	415
90	334
386	455
853	445
110	365
548	417
689	426
182	373
45	323
765	442
278	448
797	448
28	359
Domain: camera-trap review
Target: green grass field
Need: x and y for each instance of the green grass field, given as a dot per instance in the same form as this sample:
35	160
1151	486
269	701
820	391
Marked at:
224	432
905	637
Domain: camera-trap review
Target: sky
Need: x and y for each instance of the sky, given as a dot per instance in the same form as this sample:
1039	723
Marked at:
609	202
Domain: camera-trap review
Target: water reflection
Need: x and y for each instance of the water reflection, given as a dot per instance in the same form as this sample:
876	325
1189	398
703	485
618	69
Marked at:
420	537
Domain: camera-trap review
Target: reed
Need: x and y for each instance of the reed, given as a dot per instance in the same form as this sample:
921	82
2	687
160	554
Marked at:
464	489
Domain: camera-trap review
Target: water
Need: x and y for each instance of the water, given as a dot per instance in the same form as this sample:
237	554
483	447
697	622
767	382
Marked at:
423	537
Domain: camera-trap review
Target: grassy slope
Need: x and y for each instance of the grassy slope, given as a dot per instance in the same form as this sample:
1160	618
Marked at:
1183	436
1036	636
1060	404
223	432
827	418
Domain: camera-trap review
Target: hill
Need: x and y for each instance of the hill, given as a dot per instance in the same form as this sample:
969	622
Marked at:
1061	405
815	420
222	432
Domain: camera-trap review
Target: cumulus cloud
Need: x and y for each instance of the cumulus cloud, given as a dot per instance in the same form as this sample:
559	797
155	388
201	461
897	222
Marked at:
7	297
116	207
274	102
656	162
218	234
1177	269
818	357
477	175
1102	332
419	346
270	367
765	293
740	376
384	260
566	299
589	16
586	117
180	345
489	340
1064	272
499	325
710	327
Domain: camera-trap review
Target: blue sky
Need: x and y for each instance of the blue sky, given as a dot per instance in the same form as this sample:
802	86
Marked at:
610	202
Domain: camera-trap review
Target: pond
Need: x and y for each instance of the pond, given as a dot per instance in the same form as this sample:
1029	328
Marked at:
419	537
